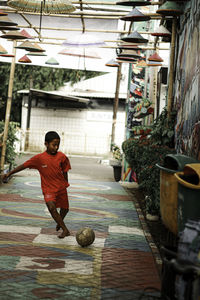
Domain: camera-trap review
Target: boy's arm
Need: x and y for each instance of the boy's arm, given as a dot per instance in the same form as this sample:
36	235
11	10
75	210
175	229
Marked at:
16	170
65	176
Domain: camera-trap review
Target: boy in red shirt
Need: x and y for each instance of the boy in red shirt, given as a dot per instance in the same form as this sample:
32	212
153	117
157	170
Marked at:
53	167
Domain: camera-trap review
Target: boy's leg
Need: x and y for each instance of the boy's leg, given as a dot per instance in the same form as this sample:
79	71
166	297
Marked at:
58	219
63	213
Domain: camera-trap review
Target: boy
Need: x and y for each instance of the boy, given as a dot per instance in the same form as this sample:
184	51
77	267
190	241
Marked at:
53	167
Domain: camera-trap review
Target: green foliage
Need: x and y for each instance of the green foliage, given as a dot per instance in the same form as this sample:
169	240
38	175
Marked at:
116	151
44	78
10	150
143	154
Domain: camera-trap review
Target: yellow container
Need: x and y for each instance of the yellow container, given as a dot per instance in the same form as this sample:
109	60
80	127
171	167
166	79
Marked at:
169	199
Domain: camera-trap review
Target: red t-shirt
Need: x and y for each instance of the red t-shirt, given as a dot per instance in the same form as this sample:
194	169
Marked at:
51	168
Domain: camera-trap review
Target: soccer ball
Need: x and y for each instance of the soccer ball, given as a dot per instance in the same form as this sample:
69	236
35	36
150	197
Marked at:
85	236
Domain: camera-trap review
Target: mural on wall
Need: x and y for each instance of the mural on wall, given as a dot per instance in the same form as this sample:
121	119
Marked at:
187	82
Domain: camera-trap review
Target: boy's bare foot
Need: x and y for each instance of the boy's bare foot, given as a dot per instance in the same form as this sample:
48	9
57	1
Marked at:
64	234
58	227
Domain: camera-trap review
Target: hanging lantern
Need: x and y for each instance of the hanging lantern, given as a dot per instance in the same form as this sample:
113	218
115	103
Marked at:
134	3
155	57
170	9
25	59
135	16
134	37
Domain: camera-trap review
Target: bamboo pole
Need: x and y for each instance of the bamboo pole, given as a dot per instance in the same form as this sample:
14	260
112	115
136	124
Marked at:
116	103
8	107
171	70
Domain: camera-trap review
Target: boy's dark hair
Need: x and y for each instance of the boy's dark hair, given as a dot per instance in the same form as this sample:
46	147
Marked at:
51	135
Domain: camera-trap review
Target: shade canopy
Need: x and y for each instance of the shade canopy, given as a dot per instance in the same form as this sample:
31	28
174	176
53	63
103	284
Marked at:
44	6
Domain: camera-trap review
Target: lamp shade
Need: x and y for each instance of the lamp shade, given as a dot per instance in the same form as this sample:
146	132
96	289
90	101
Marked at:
134	37
154	64
134	3
26	34
47	7
3	50
136	16
83	40
170	8
25	59
3	13
52	61
36	54
129	53
13	35
9	28
5	21
112	63
161	31
155	57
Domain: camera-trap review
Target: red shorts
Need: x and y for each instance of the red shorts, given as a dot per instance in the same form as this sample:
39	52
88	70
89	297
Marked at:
60	198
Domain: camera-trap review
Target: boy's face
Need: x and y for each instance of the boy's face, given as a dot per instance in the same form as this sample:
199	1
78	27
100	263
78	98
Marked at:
53	146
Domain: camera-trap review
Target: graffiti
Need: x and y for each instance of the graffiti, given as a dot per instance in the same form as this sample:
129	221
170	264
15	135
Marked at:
187	84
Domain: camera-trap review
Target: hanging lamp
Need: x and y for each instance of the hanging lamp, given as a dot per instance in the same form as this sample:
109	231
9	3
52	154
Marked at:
26	34
134	3
25	59
129	53
170	8
112	63
9	28
135	16
134	37
13	35
52	61
5	21
154	64
3	13
155	57
3	50
28	46
162	32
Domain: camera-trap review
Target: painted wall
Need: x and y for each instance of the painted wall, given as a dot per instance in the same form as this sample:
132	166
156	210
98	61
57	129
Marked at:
187	81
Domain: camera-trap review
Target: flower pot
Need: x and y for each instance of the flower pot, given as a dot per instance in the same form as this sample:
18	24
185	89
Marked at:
117	172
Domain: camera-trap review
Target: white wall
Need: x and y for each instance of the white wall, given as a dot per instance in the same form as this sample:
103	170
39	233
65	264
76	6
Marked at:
82	131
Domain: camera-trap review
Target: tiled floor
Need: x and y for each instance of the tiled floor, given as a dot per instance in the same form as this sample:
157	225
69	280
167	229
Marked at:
35	264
